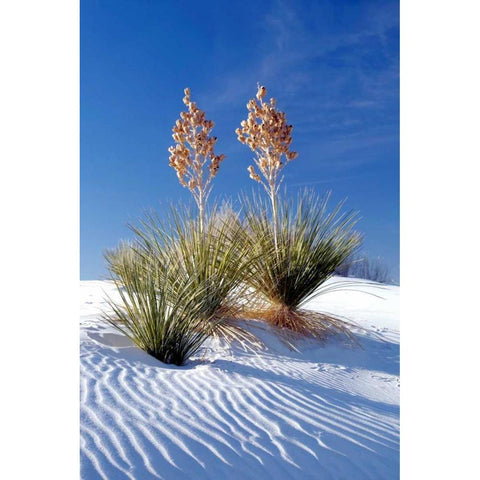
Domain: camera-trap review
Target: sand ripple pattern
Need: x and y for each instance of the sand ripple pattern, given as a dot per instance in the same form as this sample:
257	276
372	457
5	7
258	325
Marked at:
326	413
247	417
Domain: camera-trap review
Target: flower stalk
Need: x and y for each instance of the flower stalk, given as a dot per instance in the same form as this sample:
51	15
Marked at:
267	134
193	156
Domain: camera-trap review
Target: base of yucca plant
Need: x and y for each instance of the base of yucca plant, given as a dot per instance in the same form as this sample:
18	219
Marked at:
179	361
298	322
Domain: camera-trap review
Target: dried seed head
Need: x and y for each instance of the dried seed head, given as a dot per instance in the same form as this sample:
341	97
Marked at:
193	156
267	134
253	174
262	91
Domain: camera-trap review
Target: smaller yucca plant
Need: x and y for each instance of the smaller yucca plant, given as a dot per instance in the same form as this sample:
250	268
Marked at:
163	316
289	267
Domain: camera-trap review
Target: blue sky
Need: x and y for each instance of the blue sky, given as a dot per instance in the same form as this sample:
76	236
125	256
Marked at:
332	66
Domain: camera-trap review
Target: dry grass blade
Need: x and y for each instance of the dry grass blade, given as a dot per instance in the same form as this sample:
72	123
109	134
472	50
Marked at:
292	325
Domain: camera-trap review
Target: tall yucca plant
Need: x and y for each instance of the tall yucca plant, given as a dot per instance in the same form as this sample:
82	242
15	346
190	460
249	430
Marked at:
163	317
289	266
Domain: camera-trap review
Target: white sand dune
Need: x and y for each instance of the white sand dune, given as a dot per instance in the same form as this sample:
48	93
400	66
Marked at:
327	412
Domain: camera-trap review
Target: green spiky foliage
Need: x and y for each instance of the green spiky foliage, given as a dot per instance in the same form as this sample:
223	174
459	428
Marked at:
210	259
120	256
290	270
165	319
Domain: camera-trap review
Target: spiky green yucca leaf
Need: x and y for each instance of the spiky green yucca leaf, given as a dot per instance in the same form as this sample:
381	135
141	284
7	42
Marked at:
165	319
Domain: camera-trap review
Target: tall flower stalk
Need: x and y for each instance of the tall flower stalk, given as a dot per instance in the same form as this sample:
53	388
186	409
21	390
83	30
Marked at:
268	135
193	156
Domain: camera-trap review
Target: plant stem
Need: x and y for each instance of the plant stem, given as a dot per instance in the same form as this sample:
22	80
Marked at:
273	198
201	212
200	189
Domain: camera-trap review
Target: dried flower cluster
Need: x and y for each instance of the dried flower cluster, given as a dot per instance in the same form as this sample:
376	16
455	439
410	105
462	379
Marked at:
267	134
194	154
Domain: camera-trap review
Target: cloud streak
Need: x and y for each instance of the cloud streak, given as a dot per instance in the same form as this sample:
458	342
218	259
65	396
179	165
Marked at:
338	85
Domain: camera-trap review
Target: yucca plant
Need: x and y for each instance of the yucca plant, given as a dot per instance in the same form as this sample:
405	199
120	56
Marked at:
162	316
211	256
289	266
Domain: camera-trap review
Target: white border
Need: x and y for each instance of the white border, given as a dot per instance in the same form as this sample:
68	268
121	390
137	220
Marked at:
39	100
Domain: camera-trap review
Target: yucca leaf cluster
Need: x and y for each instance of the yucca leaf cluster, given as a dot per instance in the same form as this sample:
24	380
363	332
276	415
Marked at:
173	267
163	318
288	266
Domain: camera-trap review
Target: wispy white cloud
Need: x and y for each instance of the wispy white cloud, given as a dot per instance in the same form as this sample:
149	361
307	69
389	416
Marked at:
295	42
330	180
324	79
